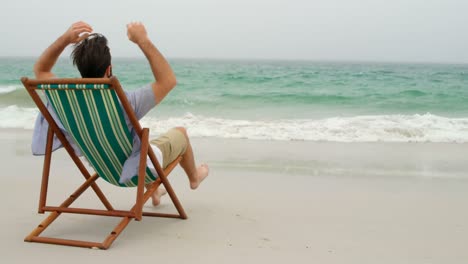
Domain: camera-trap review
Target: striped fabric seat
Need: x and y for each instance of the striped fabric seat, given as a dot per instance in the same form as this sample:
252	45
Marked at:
92	115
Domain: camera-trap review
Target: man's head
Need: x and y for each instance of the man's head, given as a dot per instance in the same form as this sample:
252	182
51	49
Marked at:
92	57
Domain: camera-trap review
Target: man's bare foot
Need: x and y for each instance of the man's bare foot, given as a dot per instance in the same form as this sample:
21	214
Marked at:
202	173
157	196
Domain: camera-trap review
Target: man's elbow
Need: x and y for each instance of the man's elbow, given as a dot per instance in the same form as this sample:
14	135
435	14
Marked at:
163	88
36	69
171	82
39	72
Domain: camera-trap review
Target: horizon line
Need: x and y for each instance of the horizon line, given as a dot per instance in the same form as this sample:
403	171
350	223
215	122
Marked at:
271	60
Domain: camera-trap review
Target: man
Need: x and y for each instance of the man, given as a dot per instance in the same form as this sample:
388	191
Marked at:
92	57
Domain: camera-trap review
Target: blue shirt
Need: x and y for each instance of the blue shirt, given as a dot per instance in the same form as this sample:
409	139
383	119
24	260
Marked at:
142	101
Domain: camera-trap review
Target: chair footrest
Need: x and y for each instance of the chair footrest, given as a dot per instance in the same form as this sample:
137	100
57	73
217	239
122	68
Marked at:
115	213
66	242
163	215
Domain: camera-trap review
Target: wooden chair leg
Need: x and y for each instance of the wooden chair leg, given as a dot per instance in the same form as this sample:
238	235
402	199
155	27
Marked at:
115	233
169	189
46	171
173	196
138	209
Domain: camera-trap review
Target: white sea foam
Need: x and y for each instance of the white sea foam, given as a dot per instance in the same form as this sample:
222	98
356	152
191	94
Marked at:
17	117
8	89
384	128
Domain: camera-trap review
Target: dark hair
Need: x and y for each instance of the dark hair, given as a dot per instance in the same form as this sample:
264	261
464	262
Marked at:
92	56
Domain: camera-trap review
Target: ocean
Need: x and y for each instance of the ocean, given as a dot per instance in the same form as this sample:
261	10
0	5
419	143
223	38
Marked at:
283	100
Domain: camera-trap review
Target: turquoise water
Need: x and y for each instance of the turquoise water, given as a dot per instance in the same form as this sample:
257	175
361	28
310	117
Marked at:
309	97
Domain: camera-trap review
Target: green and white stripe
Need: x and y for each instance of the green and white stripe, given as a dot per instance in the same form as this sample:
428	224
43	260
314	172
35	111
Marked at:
73	86
92	115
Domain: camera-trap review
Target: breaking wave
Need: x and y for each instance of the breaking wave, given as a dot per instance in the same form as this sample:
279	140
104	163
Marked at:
370	128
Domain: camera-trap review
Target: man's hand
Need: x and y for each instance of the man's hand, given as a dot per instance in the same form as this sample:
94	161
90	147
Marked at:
164	77
72	35
136	33
45	63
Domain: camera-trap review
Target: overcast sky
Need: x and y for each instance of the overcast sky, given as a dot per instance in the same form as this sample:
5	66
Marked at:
356	30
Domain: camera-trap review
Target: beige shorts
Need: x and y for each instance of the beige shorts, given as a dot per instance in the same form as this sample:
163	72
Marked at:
172	144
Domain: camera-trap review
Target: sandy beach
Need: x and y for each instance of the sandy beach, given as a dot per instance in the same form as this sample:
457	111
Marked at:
264	202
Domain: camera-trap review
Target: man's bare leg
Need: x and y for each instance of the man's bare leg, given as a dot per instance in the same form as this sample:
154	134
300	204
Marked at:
195	174
157	194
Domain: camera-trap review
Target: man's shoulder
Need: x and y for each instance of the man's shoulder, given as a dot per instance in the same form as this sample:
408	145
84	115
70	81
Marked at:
142	99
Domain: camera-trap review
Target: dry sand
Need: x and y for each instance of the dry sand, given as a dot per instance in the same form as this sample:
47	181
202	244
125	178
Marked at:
264	202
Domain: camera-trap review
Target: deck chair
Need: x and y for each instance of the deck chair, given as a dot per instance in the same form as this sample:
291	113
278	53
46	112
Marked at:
90	110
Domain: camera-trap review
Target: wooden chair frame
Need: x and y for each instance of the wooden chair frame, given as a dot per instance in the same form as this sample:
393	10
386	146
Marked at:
136	212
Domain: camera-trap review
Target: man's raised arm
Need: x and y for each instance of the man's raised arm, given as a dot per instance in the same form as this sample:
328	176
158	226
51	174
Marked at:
45	63
164	77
